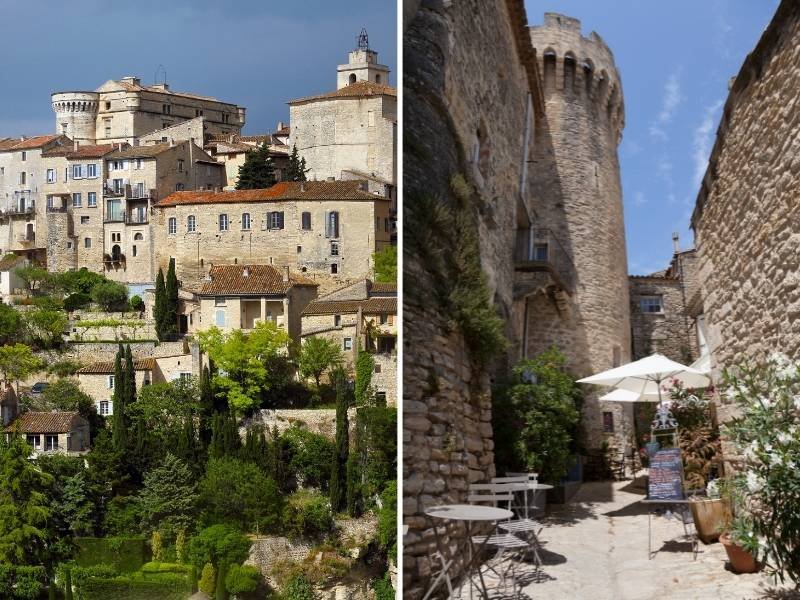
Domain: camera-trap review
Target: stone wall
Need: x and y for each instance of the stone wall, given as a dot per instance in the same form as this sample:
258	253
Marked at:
668	332
747	214
90	352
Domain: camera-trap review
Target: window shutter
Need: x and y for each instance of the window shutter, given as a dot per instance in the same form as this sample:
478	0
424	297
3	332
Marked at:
280	220
269	220
335	224
327	224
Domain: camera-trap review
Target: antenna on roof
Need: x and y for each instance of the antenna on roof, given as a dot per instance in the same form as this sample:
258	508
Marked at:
160	68
362	41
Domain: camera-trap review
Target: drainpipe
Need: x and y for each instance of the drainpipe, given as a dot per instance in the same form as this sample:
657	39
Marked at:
523	178
525	330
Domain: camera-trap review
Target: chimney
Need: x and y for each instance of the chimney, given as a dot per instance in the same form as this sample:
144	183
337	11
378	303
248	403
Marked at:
280	125
330	179
286	274
119	146
302	186
22	138
75	145
246	272
675	242
171	142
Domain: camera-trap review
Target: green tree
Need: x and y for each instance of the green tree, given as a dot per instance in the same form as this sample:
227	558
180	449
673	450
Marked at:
78	508
10	324
221	593
160	307
34	276
66	394
244	359
45	327
24	509
107	474
237	492
338	484
257	172
297	167
168	499
365	366
208	579
242	579
77	282
387	520
161	409
299	588
110	295
171	302
206	408
18	362
317	355
386	265
219	544
312	456
119	427
130	377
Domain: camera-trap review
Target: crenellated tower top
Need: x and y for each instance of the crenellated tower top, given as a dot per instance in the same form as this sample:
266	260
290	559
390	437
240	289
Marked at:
581	68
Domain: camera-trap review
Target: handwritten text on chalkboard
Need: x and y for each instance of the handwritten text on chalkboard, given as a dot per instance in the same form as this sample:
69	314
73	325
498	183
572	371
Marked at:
666	475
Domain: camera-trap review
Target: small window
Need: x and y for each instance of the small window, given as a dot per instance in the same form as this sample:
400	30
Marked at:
608	422
352	78
84	220
380	398
219	301
51	175
332	224
245	221
377	368
306	221
172	225
651	304
220	318
179	187
540	252
69	245
223	222
77	171
334	268
191	224
50	443
22	178
110	382
91	171
116	237
108	105
104	405
137	164
133	250
275	220
91	199
299	249
347	343
334	248
76	199
180	165
34	440
24	156
337	320
87	242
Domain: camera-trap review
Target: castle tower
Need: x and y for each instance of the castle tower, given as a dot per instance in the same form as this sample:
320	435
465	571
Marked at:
362	65
76	115
578	200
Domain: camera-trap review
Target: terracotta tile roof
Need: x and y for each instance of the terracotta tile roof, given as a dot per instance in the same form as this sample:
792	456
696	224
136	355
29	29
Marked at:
32	143
148	88
370	306
92	151
107	367
283	131
359	89
285	190
261	279
378	287
48	422
148	151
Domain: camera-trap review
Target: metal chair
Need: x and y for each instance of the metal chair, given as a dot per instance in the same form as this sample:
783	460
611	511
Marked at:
523	524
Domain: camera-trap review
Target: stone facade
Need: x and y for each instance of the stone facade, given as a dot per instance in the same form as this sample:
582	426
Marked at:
746	216
123	110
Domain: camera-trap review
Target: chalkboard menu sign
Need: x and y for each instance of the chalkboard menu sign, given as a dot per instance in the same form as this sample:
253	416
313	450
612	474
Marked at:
666	475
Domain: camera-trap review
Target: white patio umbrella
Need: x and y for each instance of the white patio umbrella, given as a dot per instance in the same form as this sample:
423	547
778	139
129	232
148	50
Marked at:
646	375
620	395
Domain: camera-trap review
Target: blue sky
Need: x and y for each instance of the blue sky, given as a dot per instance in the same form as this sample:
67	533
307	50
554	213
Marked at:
256	53
675	59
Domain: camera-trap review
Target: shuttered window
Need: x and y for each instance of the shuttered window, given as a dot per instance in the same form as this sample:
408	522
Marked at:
332	224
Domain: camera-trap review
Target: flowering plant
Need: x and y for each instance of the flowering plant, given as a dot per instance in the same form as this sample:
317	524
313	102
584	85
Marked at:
766	492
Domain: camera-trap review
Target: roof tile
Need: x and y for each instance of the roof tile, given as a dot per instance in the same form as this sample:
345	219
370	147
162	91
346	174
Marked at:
359	89
107	367
260	279
48	422
370	306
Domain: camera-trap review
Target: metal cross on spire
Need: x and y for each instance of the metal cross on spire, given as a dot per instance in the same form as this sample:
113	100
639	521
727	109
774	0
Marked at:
362	41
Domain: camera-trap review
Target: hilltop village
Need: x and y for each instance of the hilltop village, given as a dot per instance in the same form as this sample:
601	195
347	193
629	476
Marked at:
189	306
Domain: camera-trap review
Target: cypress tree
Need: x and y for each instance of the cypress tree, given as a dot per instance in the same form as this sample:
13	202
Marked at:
297	167
257	172
206	411
130	377
185	449
159	308
338	484
216	448
221	592
119	430
353	486
171	302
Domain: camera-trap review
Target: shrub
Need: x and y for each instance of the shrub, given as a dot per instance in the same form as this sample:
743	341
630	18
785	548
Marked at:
299	589
383	588
76	301
63	368
312	456
110	295
76	577
387	520
137	303
45	327
219	544
207	579
22	583
126	555
242	579
308	514
122	588
163	567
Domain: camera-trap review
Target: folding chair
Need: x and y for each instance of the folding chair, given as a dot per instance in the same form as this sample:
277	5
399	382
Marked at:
523	524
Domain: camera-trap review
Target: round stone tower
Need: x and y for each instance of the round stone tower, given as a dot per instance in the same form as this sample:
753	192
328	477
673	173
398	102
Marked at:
579	200
76	115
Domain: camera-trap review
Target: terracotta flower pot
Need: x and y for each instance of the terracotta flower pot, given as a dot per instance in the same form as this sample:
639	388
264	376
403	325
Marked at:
710	515
741	560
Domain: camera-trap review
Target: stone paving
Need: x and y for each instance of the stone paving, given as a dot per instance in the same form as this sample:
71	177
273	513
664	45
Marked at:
596	548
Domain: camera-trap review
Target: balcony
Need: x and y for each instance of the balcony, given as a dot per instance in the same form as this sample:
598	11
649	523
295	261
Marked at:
20	211
26	238
539	250
128	219
129	192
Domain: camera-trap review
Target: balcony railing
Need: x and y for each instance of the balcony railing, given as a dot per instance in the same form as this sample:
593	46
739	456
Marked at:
129	192
128	219
541	250
20	211
26	238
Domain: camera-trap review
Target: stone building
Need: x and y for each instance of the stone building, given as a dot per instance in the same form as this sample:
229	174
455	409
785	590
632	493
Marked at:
362	315
350	133
746	215
231	150
123	110
241	296
326	230
54	432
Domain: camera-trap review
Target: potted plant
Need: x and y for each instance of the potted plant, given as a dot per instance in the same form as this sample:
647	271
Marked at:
711	513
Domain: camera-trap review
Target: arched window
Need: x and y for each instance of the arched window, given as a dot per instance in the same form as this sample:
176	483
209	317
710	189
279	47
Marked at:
588	74
245	221
133	250
377	78
137	237
569	71
352	77
116	252
172	225
549	58
191	223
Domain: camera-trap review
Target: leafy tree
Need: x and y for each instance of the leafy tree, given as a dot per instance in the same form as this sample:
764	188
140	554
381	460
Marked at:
376	448
317	355
66	394
10	324
219	544
365	366
110	295
24	509
386	265
35	277
77	507
257	172
63	368
161	408
70	501
76	301
130	377
107	474
387	520
242	579
338	483
244	359
171	302
353	485
18	362
238	493
45	327
208	579
312	456
206	408
137	303
77	282
221	593
308	514
119	426
168	498
160	307
297	167
276	460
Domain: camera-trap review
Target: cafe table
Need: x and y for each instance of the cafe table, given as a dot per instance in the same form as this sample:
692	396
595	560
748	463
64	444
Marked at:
474	516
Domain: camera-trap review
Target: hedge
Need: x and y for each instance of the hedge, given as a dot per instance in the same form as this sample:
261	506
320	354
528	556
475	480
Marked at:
22	583
124	554
122	588
163	567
